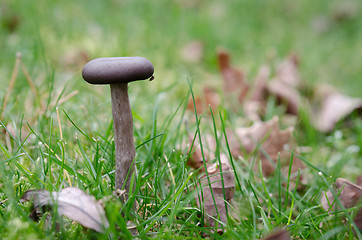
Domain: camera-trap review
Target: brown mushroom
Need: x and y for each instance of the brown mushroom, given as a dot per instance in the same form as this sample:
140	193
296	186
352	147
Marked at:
118	72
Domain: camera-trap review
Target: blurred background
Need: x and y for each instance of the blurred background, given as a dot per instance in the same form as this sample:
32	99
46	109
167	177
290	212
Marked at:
181	38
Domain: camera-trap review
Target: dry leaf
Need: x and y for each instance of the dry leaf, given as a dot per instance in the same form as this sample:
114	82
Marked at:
359	181
260	84
196	160
350	194
274	142
253	110
280	235
286	95
255	106
72	203
217	190
234	79
334	107
198	104
288	72
210	98
358	219
203	103
286	83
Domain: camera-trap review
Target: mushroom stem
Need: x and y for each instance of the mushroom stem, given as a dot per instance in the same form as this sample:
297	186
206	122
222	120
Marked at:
123	135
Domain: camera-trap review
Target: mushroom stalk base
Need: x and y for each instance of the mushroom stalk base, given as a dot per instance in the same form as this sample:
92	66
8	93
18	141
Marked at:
123	135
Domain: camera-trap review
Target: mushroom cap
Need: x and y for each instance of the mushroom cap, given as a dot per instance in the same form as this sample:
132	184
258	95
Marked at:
117	70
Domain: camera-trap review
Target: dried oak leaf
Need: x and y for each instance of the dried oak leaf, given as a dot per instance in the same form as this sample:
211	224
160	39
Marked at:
221	182
280	235
273	141
334	107
72	203
234	79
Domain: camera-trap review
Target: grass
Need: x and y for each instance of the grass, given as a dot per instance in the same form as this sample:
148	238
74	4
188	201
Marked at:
60	134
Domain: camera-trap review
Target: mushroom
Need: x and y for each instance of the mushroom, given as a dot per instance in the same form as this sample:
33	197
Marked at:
118	72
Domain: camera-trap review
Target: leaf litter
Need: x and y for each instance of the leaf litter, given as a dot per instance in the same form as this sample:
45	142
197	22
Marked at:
326	106
265	140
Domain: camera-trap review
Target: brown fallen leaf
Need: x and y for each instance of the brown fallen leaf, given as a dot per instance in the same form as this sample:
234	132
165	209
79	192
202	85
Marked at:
253	110
280	235
274	142
359	180
358	219
72	203
210	98
196	160
333	108
205	200
254	106
234	79
286	83
350	194
288	72
260	84
198	104
286	95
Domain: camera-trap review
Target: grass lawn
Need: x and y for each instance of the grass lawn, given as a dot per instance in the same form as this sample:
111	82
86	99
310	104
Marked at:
56	130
